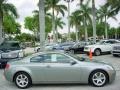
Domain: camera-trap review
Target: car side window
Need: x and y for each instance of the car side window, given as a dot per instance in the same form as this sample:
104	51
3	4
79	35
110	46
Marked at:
62	58
51	58
37	59
41	59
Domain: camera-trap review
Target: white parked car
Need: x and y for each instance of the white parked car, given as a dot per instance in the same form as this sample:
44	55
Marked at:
116	50
104	46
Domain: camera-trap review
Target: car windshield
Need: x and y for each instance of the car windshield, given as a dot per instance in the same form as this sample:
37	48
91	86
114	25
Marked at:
75	45
10	46
100	42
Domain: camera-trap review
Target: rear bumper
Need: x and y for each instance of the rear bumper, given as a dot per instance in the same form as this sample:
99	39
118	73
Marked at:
8	75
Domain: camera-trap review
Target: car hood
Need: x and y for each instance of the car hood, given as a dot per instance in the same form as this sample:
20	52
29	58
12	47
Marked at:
97	63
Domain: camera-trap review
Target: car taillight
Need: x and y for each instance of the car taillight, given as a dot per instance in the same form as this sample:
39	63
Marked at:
7	66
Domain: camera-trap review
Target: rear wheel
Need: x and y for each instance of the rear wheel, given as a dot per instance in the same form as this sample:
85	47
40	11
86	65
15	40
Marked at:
22	80
98	78
38	50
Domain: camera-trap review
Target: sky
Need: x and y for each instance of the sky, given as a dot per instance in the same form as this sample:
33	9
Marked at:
25	8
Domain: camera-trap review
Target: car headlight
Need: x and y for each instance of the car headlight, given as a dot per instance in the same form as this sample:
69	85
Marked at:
20	54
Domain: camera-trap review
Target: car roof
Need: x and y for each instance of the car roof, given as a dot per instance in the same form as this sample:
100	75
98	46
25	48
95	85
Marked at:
44	52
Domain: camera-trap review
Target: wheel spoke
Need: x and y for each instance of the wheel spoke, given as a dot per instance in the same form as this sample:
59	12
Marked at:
96	75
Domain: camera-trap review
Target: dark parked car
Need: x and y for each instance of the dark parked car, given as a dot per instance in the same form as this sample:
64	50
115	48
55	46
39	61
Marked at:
10	50
77	47
63	46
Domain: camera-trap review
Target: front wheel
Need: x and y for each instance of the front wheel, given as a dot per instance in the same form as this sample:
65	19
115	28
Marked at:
98	78
97	52
115	55
22	80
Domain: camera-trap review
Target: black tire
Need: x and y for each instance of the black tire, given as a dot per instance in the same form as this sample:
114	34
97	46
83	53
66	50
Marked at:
97	52
115	55
38	50
103	81
16	81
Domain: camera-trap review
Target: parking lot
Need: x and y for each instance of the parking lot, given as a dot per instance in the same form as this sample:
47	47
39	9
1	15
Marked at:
115	61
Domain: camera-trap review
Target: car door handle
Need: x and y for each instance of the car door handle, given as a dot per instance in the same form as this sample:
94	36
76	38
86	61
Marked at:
48	66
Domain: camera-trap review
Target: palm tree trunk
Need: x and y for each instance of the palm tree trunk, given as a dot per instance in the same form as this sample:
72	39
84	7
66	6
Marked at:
106	33
77	33
94	21
53	25
1	28
86	33
56	34
42	24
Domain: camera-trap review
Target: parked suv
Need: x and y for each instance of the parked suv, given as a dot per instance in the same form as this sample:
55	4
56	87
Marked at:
10	50
116	50
104	46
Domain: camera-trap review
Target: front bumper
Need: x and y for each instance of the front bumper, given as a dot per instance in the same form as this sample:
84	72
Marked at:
112	75
116	52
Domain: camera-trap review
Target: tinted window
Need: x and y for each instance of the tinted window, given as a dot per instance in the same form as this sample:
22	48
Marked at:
62	58
51	58
10	46
41	58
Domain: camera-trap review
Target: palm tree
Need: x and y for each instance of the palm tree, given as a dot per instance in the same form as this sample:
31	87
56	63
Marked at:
6	9
42	24
114	5
105	13
59	8
75	20
58	24
85	11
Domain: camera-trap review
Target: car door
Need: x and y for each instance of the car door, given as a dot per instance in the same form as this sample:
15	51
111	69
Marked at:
60	70
106	46
55	68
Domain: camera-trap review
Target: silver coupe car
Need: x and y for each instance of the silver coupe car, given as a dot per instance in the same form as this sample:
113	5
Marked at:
58	68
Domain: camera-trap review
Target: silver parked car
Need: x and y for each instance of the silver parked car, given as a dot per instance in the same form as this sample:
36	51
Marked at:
57	68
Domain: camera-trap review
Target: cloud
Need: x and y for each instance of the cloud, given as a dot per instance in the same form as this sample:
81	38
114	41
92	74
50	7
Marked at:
24	7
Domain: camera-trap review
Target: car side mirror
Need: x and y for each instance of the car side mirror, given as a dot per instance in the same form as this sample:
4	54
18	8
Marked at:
73	62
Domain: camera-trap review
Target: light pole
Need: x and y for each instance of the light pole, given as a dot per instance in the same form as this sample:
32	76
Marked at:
42	24
94	21
68	1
